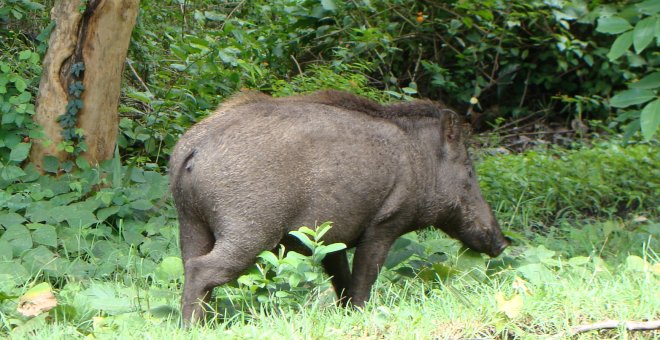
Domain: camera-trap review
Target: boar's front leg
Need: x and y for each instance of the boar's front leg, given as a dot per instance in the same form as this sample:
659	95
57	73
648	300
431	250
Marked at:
370	254
336	265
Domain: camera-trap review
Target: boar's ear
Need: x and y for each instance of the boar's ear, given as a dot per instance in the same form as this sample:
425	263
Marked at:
450	125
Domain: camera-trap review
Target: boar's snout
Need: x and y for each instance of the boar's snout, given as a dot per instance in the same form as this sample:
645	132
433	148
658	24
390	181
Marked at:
485	238
499	246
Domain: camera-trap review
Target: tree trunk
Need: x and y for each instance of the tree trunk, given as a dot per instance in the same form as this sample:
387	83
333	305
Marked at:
95	36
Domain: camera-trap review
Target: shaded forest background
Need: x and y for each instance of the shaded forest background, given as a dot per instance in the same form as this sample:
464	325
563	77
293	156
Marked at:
494	61
562	97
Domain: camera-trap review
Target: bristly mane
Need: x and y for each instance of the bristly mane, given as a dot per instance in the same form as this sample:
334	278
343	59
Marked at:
349	101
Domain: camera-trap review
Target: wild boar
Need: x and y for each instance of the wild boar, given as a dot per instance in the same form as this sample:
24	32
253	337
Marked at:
260	167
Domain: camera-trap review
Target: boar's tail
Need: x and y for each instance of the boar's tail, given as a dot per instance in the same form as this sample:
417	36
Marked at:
179	169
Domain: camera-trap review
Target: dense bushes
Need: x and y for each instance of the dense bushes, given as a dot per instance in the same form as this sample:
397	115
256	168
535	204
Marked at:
601	180
489	58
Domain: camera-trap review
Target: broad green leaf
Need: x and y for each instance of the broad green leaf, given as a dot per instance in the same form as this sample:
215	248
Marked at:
270	258
11	218
116	169
74	217
19	238
331	248
631	97
620	45
5	251
394	258
322	229
40	258
650	82
13	270
307	231
51	164
311	276
104	213
20	152
578	261
613	25
141	205
471	261
303	238
20	84
170	269
23	55
294	279
281	294
46	235
643	34
537	274
539	254
329	5
650	119
649	7
109	297
11	173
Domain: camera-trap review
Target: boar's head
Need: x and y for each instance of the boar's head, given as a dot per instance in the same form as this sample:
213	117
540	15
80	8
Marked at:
464	214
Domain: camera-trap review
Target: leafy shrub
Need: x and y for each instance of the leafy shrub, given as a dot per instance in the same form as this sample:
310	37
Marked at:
93	223
284	279
643	90
492	58
18	85
538	187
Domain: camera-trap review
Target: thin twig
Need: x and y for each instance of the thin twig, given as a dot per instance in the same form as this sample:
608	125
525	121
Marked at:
514	122
300	72
611	324
236	8
419	60
522	99
537	133
130	65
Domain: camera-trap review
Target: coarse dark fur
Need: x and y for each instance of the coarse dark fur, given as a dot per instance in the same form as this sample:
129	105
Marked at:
260	167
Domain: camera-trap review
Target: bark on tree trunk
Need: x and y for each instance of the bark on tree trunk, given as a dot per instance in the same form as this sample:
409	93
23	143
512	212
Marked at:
97	37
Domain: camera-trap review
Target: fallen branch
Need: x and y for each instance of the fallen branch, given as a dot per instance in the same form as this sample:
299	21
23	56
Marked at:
611	324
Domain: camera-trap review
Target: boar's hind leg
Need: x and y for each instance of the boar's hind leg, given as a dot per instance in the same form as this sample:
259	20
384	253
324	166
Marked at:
196	240
230	257
370	254
336	265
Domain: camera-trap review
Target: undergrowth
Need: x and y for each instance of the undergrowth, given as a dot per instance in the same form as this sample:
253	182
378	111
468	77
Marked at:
104	241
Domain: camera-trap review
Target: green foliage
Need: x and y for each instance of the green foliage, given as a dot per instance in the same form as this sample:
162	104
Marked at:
90	224
105	238
540	187
18	82
286	279
500	58
637	26
18	9
350	78
72	137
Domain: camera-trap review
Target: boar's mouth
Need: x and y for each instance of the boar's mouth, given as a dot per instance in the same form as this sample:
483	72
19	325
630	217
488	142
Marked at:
486	239
489	242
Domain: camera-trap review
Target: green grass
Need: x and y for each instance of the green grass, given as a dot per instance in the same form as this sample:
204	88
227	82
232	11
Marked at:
111	258
418	310
582	288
